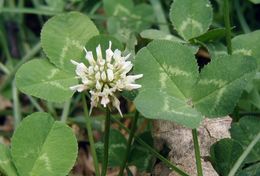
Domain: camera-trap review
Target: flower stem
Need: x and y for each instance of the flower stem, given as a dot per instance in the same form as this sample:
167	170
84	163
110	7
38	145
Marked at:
90	136
106	143
197	152
227	25
153	151
129	142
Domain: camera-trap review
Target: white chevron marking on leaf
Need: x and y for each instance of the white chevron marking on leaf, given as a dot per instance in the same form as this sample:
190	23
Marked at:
218	98
69	42
243	51
163	79
216	82
189	21
53	73
175	71
44	157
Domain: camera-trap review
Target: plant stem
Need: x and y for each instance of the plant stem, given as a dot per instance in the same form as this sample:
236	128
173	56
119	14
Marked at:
28	10
90	136
228	26
129	142
160	15
27	57
65	112
152	151
35	103
106	142
197	152
17	109
241	17
244	155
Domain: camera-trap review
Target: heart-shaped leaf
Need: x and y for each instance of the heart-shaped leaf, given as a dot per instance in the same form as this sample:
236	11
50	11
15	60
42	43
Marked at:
64	36
172	88
42	146
42	79
191	18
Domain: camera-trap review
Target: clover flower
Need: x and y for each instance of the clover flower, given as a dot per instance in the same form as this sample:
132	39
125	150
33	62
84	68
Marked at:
103	78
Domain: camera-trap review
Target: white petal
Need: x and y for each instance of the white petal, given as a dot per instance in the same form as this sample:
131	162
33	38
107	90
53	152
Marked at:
127	66
127	56
74	62
116	104
97	76
110	75
109	52
81	69
89	57
103	76
132	86
104	101
79	87
90	70
98	85
99	52
132	78
117	55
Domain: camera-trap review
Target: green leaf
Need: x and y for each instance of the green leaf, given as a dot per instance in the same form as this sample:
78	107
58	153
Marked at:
42	146
141	17
64	36
118	7
173	90
211	35
247	44
6	164
221	84
117	148
170	70
125	17
191	18
42	79
224	154
141	156
252	170
244	132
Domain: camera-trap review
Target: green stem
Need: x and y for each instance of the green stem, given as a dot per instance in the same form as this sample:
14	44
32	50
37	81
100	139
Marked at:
152	151
4	68
17	109
129	142
160	15
66	110
27	57
228	26
197	152
90	136
35	103
106	142
244	155
28	10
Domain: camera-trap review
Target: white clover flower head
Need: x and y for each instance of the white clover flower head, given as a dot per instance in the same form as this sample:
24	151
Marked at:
104	77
